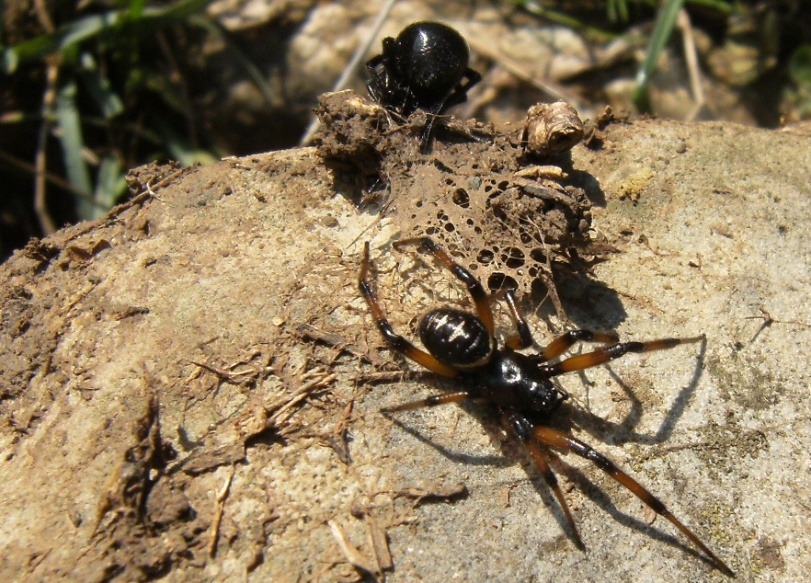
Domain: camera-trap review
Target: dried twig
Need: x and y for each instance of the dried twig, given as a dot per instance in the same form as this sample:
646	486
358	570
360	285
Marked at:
215	523
352	554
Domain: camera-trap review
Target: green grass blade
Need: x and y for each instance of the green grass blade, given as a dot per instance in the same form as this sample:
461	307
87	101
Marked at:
665	23
99	87
110	185
69	36
70	136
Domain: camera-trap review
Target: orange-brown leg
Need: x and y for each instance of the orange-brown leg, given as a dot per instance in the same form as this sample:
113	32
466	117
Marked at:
523	338
522	428
590	359
394	340
563	343
561	440
474	286
552	481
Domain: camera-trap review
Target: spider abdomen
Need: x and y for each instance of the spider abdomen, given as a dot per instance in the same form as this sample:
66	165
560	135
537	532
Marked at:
456	338
432	58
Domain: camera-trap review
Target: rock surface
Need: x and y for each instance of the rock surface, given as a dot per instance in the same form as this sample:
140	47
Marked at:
191	386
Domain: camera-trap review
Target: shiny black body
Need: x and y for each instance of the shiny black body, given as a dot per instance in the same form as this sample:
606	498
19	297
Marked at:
456	338
506	378
462	346
514	381
425	67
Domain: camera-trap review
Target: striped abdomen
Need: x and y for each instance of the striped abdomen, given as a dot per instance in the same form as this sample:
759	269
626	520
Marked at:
456	338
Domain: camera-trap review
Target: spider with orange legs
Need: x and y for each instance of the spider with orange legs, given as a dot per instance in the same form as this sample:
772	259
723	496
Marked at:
462	346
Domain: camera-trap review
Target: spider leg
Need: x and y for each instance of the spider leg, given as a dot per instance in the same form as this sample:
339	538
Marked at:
385	59
474	286
561	440
428	128
373	63
394	340
523	428
457	96
563	343
431	401
374	86
472	77
590	359
523	337
383	84
378	79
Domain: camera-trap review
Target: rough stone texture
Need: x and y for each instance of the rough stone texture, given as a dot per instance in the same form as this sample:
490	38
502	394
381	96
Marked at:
229	298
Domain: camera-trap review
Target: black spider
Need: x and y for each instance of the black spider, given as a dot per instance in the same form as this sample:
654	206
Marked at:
463	346
425	67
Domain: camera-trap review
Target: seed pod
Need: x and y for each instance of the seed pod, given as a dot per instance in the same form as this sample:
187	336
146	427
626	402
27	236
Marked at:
551	129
